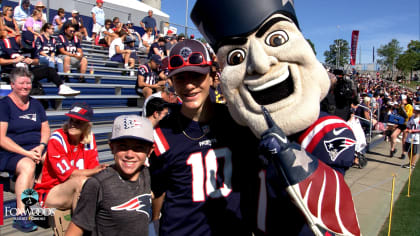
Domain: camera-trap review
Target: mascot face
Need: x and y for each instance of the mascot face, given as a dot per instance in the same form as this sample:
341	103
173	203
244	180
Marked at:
273	67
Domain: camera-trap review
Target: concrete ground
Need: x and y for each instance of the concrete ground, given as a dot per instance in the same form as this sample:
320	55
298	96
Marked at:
371	190
372	186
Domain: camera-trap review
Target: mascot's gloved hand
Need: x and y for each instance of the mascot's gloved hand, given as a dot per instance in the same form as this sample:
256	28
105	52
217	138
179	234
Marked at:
289	160
317	190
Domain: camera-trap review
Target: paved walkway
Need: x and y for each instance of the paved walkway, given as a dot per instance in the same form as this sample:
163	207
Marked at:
371	189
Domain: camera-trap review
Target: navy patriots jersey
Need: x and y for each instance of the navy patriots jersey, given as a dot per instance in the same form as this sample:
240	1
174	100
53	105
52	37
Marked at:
150	76
10	49
42	44
70	46
331	140
270	211
201	175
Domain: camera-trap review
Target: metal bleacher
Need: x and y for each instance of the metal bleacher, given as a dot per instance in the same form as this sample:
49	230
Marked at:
108	89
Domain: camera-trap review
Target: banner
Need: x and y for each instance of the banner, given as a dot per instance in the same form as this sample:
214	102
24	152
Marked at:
354	39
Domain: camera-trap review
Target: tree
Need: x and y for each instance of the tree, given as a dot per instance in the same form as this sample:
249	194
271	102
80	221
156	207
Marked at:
312	45
389	54
410	59
341	50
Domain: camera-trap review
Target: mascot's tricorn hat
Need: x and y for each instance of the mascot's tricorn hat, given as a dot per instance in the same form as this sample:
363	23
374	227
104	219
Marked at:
247	17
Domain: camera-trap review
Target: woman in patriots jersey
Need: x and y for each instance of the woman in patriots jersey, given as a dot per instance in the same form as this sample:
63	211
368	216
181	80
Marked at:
45	48
72	156
196	146
24	132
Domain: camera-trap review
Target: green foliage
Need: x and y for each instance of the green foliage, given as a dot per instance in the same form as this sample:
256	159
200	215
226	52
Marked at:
406	211
202	40
389	53
312	45
339	49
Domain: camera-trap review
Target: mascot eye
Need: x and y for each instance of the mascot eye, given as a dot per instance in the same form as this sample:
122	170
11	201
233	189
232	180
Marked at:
236	57
276	38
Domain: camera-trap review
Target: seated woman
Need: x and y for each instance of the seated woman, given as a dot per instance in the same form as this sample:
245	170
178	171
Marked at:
147	39
72	157
45	48
24	132
10	23
59	20
118	53
32	28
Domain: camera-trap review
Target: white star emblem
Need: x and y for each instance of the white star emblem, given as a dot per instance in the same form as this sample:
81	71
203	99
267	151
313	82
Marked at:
301	160
286	1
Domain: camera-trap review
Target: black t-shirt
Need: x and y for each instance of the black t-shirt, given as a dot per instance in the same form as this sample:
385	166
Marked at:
110	205
152	51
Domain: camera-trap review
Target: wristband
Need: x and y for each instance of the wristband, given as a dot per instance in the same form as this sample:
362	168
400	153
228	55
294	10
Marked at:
45	145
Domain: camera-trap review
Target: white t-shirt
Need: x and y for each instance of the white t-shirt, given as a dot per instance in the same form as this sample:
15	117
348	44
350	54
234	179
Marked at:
148	39
101	33
115	42
413	124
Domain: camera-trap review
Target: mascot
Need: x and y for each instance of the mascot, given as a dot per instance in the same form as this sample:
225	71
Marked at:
273	84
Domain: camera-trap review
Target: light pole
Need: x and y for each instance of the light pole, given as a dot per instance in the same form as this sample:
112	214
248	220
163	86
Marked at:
186	18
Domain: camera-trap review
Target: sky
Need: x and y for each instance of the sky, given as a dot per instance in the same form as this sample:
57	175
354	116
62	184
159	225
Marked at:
379	21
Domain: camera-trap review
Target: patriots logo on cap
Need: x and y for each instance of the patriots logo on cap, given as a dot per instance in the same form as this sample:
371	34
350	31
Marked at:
79	110
338	145
185	52
141	203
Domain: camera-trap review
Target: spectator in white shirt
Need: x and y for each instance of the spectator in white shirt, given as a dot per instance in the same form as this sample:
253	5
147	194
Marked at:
117	52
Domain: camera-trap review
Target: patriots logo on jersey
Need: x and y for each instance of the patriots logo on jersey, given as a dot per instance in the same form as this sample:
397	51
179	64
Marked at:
29	117
141	203
338	145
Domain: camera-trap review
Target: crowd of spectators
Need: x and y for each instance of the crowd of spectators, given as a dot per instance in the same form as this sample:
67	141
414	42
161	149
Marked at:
381	106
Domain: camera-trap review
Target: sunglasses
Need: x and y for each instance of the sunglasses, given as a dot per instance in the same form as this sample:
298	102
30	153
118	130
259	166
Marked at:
71	31
194	59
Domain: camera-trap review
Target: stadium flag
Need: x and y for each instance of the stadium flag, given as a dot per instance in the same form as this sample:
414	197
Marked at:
354	39
1	204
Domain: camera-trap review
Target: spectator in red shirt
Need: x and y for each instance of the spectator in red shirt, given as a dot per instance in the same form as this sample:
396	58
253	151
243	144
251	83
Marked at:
72	157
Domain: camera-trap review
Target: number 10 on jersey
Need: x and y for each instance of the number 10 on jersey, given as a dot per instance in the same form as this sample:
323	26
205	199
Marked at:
204	174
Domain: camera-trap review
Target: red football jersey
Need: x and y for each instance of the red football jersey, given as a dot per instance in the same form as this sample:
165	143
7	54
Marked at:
62	159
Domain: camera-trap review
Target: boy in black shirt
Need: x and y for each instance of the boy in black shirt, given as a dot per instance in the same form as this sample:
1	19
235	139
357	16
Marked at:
117	201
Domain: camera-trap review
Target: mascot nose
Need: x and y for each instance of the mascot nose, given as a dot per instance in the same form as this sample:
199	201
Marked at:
258	62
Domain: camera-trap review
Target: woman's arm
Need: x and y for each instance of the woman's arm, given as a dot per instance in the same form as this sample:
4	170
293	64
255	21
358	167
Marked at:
16	27
45	135
29	24
58	21
88	172
10	145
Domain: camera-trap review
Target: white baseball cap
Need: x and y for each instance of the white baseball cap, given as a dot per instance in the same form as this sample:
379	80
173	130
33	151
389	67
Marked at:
132	127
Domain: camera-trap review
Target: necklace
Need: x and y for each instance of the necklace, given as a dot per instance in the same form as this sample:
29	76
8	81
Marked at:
193	139
206	131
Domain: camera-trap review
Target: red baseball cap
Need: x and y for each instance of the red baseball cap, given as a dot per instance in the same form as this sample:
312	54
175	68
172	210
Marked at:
179	58
100	1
